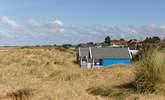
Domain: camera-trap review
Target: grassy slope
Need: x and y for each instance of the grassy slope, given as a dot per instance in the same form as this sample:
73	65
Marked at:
51	74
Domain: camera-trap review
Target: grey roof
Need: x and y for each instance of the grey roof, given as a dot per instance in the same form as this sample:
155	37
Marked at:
84	52
100	53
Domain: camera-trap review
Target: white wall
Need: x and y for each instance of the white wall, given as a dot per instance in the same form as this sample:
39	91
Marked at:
134	52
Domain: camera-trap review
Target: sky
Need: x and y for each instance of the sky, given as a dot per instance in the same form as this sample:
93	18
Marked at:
37	22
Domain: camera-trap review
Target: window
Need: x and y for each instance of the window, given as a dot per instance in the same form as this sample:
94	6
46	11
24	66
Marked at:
84	59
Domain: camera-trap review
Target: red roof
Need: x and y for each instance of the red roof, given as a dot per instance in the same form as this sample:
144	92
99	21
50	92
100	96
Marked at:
124	42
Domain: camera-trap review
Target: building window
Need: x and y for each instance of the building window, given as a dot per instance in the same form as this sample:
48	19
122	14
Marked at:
84	59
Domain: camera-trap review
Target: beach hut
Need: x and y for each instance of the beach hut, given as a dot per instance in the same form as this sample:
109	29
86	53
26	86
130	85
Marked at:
103	57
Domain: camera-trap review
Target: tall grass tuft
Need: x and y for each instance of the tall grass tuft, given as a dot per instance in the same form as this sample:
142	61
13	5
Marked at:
22	94
150	71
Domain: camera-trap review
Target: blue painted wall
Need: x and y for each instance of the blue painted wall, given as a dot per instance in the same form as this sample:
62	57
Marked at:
109	62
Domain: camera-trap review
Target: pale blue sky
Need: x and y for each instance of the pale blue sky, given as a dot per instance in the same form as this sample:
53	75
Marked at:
117	18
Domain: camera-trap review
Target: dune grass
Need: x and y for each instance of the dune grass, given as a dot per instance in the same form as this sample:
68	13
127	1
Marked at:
44	73
150	71
50	72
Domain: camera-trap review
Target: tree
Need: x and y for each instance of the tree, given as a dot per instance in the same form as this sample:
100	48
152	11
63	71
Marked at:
66	46
122	39
156	39
90	43
107	40
147	40
131	40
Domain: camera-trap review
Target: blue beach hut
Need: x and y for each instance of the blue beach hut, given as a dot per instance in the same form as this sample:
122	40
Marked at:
103	57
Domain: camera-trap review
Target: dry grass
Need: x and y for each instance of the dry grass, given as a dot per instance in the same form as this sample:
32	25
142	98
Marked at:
51	74
150	71
22	94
